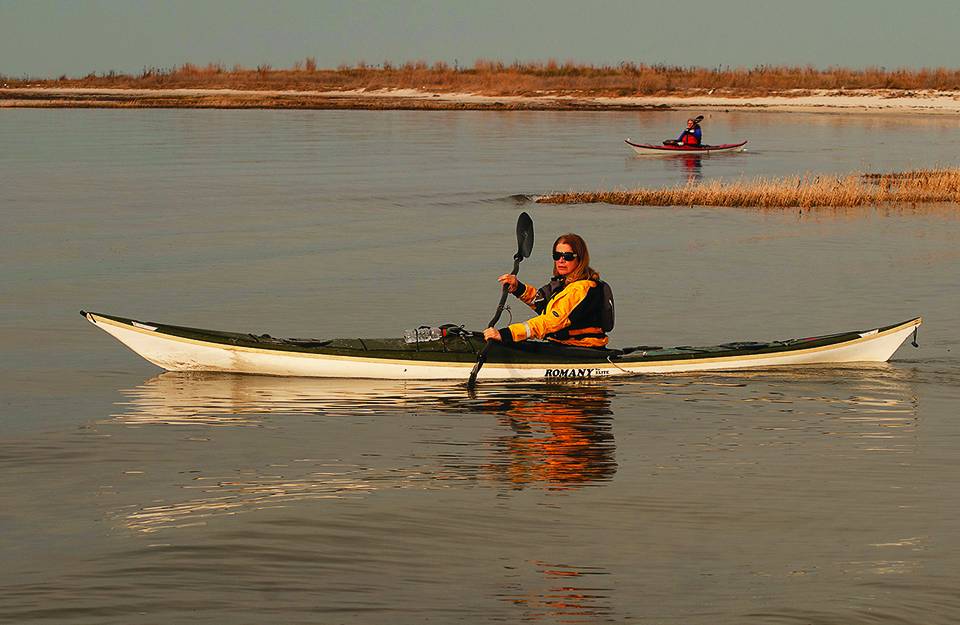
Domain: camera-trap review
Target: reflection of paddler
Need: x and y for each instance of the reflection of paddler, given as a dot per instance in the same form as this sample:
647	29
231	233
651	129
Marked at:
562	440
693	163
564	594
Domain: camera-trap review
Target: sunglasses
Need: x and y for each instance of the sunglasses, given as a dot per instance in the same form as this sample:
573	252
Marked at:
567	256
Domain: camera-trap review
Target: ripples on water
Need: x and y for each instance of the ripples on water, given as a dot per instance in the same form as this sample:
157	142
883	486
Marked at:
334	477
558	437
783	496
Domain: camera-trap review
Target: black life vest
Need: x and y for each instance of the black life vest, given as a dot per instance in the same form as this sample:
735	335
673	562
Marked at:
596	310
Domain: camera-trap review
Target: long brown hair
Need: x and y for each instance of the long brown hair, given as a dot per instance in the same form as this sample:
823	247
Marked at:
583	271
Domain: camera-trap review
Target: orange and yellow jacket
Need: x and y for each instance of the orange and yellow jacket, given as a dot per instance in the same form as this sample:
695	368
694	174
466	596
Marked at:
568	314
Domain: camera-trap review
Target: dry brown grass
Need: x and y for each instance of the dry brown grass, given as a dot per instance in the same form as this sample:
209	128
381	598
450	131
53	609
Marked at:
535	78
146	98
922	186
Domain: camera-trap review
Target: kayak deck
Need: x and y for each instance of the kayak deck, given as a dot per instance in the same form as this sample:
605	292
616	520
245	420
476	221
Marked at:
181	348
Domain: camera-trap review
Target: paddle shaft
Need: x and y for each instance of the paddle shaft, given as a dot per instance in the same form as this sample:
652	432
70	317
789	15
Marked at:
482	356
506	290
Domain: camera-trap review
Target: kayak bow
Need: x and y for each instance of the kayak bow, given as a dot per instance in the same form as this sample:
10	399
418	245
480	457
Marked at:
179	348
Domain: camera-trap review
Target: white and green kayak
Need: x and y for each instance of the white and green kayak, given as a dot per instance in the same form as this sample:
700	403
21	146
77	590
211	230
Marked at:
453	354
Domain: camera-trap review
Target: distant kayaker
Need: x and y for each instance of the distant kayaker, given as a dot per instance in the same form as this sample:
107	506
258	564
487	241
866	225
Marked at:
691	135
575	308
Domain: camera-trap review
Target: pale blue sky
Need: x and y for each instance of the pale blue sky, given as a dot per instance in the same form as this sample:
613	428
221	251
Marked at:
47	38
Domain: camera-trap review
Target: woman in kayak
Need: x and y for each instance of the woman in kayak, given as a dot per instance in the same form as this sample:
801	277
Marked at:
691	135
575	308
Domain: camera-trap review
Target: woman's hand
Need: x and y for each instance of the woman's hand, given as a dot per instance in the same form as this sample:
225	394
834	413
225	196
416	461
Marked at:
492	334
510	281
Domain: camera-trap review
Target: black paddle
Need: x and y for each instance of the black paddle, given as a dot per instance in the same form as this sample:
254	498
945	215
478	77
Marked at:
524	247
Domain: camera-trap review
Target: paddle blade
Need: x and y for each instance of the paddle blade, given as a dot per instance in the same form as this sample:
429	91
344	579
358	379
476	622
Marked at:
524	235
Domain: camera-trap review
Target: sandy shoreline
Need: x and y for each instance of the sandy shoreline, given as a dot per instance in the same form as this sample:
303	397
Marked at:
872	101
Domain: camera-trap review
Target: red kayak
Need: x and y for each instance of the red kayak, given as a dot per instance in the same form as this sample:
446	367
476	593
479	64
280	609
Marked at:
649	148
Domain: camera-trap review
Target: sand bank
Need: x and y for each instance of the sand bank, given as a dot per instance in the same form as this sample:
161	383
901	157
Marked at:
868	101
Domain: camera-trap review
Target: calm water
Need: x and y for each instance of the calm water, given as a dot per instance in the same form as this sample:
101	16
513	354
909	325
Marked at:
127	495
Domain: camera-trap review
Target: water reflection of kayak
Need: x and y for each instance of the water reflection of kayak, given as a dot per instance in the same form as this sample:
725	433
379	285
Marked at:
228	399
560	440
650	148
451	357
